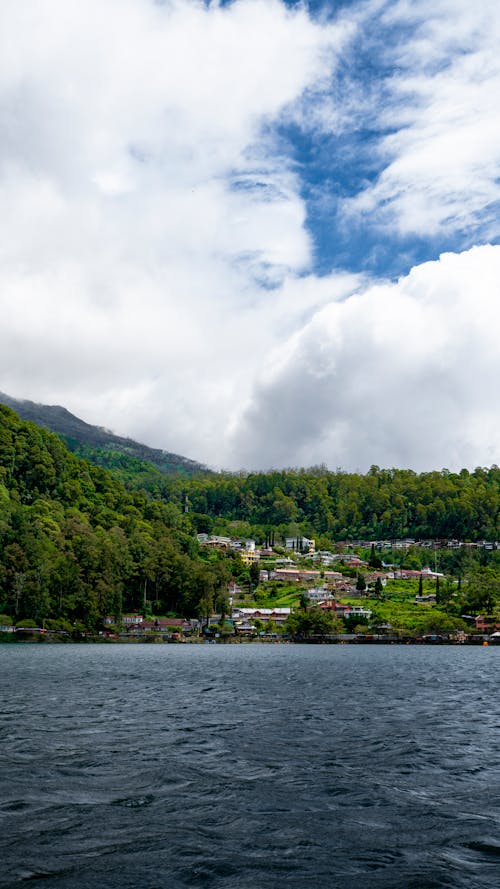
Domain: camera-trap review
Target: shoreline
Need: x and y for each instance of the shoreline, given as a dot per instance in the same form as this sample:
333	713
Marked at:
54	639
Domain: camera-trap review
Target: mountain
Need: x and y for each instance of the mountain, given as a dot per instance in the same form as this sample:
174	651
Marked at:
97	444
76	545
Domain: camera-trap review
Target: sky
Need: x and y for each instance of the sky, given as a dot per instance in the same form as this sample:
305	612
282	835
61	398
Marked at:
258	234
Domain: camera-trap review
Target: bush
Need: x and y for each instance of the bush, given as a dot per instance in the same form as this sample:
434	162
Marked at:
63	625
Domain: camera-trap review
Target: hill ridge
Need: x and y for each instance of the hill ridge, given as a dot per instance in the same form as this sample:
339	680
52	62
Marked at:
77	432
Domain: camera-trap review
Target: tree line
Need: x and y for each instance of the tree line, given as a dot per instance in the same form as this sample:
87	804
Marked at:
79	541
76	545
384	503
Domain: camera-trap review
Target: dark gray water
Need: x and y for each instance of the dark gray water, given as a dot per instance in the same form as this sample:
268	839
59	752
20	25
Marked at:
249	766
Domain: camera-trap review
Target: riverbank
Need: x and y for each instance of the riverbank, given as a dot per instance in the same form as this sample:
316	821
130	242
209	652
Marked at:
48	637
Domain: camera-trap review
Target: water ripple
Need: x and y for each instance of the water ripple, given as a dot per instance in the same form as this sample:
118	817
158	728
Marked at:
249	766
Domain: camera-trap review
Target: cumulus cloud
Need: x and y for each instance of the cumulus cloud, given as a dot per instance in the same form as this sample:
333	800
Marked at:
147	209
396	374
157	262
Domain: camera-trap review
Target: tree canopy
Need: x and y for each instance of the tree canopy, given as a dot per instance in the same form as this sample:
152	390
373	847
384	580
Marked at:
76	545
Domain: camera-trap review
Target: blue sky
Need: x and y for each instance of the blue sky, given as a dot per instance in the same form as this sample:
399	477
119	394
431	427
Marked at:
334	165
256	233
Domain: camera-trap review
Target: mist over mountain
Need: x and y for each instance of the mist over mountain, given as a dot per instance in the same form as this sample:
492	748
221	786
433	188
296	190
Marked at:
95	442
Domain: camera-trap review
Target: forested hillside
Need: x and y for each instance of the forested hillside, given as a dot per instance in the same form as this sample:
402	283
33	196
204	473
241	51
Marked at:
384	503
100	445
381	504
76	545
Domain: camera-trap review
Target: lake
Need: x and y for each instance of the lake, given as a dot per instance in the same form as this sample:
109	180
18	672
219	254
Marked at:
258	766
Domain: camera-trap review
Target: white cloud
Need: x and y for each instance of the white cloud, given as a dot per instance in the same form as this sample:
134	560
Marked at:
155	263
441	157
146	208
397	374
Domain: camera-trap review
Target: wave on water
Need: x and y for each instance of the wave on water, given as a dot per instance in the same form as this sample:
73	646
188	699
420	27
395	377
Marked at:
249	766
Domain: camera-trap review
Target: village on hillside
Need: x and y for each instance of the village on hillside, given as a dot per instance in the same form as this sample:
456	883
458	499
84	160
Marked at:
343	585
359	591
298	593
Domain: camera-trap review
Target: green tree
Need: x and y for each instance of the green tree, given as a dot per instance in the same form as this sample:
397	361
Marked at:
313	622
304	601
254	575
374	561
361	583
481	590
438	591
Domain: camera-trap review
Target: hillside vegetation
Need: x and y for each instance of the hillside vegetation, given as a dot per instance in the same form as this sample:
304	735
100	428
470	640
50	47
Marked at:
76	545
383	503
393	503
101	446
79	542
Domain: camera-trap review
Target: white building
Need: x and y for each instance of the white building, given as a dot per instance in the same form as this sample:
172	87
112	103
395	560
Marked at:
320	594
300	544
278	615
